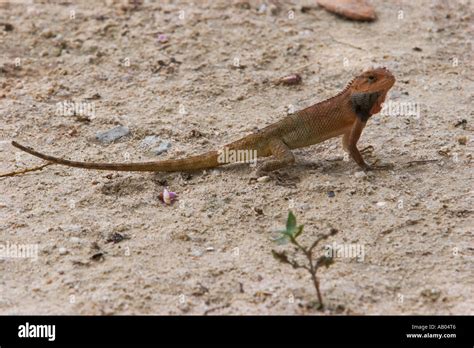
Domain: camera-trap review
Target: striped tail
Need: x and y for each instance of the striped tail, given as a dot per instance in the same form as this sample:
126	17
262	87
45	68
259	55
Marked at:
204	161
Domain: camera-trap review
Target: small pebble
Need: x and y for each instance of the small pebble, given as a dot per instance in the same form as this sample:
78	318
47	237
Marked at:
331	194
63	251
263	178
162	38
75	240
381	204
462	140
360	174
163	147
116	238
149	141
304	206
112	134
72	228
196	253
47	34
293	79
98	257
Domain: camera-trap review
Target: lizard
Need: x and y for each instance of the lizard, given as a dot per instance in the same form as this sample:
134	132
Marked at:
344	114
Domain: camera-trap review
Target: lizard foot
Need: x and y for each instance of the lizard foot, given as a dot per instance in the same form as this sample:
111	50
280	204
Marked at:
261	171
374	166
367	149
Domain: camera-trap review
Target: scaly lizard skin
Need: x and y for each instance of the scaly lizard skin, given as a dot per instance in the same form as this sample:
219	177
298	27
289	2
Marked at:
345	114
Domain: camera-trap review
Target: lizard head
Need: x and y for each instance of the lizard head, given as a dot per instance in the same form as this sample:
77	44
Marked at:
368	90
375	80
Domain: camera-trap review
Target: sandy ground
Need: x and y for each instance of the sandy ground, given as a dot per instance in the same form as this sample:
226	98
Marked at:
201	75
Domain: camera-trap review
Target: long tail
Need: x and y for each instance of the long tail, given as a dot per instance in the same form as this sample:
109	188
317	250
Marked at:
204	161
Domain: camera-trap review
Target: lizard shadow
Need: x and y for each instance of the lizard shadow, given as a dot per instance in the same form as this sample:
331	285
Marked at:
124	186
133	183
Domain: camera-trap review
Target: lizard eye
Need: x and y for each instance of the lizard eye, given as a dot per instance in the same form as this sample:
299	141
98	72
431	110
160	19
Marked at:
371	78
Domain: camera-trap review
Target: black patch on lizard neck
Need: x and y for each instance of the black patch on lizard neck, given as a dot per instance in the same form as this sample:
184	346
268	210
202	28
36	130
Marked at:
362	103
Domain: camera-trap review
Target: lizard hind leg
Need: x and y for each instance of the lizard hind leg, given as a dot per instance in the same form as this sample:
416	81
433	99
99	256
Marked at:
282	157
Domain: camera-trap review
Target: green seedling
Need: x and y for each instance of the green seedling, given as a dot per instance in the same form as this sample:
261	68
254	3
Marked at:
290	234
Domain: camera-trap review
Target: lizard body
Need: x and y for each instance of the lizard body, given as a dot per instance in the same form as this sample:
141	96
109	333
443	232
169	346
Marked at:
344	114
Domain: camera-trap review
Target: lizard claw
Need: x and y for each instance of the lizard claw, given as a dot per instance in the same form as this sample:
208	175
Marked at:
367	149
374	166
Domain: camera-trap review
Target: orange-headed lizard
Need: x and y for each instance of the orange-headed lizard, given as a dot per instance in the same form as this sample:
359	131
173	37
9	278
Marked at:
344	114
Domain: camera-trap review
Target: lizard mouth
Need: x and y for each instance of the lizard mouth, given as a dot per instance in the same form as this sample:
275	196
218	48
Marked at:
388	79
388	82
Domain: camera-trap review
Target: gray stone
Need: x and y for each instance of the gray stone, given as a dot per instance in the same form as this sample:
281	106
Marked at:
360	174
112	134
163	147
63	251
149	141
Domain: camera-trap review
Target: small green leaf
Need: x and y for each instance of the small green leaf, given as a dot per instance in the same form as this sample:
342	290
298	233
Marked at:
291	231
281	240
290	222
284	232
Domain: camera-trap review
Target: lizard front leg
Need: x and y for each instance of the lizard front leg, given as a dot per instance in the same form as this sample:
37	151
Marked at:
349	143
282	154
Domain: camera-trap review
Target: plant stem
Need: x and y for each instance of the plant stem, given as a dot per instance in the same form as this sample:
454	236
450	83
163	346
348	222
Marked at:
313	271
316	286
